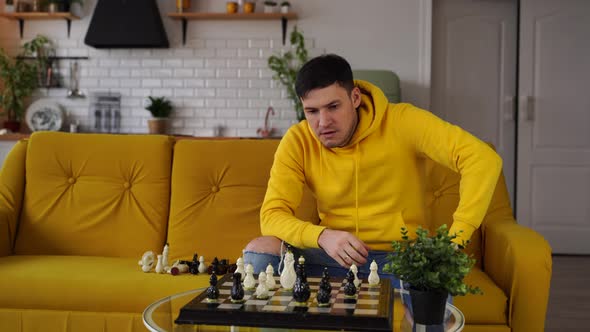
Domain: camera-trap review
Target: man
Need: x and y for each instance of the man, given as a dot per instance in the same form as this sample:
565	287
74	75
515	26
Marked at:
361	157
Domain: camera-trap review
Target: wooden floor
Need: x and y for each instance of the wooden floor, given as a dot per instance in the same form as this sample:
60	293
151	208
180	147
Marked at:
569	298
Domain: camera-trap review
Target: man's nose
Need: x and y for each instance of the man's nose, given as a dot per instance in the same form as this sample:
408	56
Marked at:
324	119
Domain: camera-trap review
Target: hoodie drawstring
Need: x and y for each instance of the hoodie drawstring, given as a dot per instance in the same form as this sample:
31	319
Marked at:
356	186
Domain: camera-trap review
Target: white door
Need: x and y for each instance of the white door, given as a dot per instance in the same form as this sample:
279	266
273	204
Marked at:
553	188
474	71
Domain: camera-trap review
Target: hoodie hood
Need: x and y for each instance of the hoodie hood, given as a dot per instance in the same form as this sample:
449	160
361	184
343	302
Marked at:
373	106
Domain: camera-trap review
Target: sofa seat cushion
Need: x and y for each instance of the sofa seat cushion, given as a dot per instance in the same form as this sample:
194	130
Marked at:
489	308
95	194
97	284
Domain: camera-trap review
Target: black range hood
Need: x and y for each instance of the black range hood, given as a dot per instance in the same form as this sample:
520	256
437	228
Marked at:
126	24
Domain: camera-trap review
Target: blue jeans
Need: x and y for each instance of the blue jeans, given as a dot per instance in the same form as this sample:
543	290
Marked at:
317	259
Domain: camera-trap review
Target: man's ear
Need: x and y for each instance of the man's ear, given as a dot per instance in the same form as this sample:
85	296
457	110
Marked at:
355	96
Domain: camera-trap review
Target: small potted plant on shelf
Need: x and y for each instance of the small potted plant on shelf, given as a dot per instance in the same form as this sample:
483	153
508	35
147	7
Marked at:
270	6
433	266
285	7
160	108
286	65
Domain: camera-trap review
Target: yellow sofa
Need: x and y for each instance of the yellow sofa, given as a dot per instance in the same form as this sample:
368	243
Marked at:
78	210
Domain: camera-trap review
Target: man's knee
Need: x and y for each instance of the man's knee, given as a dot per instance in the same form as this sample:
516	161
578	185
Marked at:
265	245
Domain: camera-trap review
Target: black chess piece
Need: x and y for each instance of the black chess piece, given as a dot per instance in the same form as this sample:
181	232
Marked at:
350	288
212	290
237	291
325	290
222	267
301	291
193	267
212	269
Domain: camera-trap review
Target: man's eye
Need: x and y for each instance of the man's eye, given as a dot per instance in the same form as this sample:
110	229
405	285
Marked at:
333	107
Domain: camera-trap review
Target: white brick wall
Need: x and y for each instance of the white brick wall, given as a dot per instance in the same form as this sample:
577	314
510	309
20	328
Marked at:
211	82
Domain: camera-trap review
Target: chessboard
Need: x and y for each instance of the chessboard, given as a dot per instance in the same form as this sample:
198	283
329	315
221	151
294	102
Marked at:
370	310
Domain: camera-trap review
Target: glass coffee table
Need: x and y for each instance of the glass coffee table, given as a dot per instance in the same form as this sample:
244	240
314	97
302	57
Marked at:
160	315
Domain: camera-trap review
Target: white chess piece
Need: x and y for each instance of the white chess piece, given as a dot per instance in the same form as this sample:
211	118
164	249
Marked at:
288	275
165	255
147	261
159	265
240	268
202	265
271	284
249	281
373	276
355	271
262	289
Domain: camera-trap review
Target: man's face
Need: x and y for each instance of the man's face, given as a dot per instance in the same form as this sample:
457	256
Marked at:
331	114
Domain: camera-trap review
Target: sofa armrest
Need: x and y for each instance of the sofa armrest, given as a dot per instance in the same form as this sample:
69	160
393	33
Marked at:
12	189
518	259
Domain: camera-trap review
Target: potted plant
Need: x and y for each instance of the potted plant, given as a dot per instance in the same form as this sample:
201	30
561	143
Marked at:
286	66
433	266
42	49
285	6
19	79
160	108
270	6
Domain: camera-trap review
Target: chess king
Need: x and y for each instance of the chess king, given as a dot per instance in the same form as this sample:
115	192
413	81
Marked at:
361	156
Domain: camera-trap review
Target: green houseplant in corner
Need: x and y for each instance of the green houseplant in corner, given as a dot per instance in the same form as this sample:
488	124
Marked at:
18	79
285	67
160	108
434	267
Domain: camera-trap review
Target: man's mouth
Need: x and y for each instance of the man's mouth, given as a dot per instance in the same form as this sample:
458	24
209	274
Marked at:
327	133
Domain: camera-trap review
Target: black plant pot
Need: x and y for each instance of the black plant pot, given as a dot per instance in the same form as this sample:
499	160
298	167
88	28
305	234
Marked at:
428	307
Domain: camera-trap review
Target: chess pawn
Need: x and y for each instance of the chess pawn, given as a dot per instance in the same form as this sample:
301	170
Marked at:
324	291
301	291
373	276
349	288
288	275
165	255
202	265
212	290
240	267
237	291
355	271
249	281
159	265
262	289
271	284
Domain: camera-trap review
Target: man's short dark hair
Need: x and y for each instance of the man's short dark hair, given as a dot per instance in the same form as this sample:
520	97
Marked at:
323	71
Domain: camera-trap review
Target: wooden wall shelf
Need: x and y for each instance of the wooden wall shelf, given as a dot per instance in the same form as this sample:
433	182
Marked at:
185	17
22	17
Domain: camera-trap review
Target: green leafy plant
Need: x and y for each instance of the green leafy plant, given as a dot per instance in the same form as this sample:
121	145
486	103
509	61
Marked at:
430	263
19	77
285	67
160	107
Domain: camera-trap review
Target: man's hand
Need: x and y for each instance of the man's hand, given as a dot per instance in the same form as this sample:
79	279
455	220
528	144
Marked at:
344	247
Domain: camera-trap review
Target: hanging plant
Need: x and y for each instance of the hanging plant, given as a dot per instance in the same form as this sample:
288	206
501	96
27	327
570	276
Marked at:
285	67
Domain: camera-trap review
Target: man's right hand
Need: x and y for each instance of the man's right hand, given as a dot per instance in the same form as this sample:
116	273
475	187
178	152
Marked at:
343	247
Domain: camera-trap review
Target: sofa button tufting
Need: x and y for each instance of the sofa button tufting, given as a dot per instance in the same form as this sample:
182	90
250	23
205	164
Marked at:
215	189
126	185
72	180
437	194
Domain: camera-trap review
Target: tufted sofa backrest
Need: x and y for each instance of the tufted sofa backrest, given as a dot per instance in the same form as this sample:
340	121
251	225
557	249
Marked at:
217	190
95	194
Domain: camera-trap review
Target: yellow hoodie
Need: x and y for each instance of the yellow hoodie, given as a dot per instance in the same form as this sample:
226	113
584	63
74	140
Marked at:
374	186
